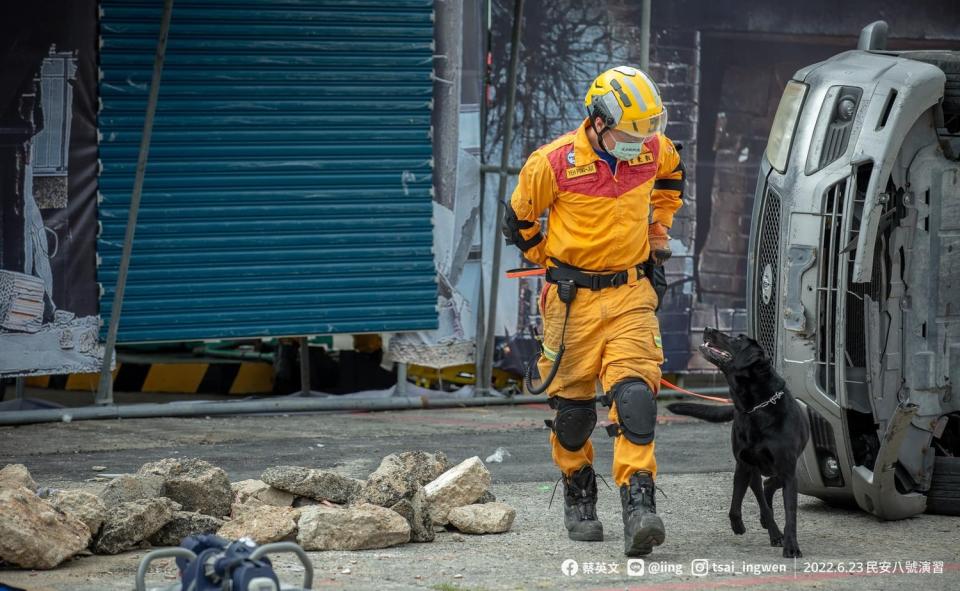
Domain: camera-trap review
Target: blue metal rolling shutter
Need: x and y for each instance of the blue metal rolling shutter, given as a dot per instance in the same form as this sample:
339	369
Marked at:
288	189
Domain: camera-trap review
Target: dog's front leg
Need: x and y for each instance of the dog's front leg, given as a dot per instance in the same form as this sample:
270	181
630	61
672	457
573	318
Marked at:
766	512
770	488
790	547
741	479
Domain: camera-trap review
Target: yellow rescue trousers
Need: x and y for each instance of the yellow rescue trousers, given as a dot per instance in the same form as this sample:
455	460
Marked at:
612	334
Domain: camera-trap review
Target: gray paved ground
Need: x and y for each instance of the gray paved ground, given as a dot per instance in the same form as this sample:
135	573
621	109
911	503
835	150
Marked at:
695	466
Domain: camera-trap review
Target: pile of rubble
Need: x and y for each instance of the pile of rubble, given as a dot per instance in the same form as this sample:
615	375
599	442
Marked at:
408	498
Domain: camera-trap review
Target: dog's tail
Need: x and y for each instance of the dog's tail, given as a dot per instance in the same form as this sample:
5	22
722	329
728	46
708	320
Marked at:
706	412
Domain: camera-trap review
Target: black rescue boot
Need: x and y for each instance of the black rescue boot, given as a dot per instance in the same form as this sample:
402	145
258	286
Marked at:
642	527
580	506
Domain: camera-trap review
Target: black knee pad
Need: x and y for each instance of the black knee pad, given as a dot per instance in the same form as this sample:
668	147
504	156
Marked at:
636	409
574	421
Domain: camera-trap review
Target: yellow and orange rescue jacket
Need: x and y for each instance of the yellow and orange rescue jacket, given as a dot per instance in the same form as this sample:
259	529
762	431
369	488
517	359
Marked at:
598	219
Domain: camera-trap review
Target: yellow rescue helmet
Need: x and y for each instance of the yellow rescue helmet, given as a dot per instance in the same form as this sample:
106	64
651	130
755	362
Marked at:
627	100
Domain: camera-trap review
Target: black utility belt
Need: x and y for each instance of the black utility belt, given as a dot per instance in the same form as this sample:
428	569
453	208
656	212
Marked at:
592	281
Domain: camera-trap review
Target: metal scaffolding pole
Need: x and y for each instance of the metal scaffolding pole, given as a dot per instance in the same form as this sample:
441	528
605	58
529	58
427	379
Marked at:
105	391
485	373
645	35
265	405
304	365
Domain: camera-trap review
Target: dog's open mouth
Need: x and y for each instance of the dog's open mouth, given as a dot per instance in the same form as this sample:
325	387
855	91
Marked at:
715	355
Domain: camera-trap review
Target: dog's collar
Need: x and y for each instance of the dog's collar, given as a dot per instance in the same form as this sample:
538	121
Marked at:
772	400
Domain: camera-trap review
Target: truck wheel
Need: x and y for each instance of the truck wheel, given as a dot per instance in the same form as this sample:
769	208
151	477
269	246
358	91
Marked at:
943	497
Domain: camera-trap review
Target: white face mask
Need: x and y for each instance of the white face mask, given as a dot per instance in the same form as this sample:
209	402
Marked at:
627	150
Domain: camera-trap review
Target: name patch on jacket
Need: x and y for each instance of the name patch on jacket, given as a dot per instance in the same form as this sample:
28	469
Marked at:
577	171
643	158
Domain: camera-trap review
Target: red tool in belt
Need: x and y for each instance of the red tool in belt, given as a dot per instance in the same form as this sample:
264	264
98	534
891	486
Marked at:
525	272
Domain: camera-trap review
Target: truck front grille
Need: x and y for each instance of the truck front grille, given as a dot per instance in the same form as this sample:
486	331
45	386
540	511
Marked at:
766	277
832	240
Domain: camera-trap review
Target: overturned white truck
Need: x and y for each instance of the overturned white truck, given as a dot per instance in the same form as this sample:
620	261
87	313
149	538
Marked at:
854	281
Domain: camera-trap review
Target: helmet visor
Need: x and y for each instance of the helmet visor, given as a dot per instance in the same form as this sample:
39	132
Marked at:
642	129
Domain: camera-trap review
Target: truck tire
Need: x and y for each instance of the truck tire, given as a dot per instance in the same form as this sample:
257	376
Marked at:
943	498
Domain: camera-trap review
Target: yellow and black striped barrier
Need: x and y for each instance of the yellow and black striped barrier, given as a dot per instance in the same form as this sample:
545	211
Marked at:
234	377
243	377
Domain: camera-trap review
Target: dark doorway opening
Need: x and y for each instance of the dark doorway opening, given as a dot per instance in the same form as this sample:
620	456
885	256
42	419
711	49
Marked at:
741	79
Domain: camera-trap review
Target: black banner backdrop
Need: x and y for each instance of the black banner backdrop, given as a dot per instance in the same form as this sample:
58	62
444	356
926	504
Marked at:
48	188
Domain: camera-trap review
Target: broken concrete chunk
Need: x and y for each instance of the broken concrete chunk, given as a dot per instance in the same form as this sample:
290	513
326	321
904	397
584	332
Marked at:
15	476
315	484
357	527
399	476
196	484
263	524
130	523
81	505
389	483
488	518
257	492
417	514
131	487
34	534
461	485
183	524
425	467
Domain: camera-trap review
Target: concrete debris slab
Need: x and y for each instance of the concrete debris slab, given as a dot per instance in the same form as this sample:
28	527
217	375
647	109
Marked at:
15	476
253	493
488	518
389	483
263	524
86	507
315	484
195	484
131	487
132	522
356	527
34	534
416	511
461	485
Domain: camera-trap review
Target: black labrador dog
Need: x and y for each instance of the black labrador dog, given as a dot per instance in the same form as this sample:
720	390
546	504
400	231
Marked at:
770	431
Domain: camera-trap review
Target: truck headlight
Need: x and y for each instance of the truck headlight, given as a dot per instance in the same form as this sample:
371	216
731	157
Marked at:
784	125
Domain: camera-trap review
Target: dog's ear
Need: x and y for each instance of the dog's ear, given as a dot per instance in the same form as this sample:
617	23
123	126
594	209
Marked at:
753	344
750	362
756	356
759	363
744	356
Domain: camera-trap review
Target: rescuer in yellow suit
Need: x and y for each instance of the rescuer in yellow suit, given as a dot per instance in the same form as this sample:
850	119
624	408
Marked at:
612	187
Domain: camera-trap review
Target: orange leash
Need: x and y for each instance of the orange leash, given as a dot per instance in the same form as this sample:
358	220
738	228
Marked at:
664	382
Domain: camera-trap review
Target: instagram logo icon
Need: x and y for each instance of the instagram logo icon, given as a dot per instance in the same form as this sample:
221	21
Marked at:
699	567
